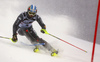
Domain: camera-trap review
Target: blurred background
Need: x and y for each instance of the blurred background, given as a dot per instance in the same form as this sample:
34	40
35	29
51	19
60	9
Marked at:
80	13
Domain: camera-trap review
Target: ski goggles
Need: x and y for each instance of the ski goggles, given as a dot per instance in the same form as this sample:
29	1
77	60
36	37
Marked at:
31	13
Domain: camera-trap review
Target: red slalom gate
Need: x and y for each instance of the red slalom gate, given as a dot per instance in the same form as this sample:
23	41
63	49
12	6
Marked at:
95	33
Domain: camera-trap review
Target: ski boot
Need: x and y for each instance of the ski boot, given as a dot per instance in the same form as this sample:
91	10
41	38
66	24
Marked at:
54	53
36	49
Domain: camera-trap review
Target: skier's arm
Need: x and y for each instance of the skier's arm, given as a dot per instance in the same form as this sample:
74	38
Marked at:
39	20
43	30
16	23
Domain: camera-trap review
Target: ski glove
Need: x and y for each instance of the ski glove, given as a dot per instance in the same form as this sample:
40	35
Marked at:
14	38
44	31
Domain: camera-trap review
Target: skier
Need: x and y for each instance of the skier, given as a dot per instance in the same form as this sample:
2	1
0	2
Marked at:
23	25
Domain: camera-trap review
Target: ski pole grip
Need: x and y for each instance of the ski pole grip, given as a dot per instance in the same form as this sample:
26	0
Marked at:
44	31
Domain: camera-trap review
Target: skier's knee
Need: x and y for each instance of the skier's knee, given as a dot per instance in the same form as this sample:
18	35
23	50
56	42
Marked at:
43	41
20	32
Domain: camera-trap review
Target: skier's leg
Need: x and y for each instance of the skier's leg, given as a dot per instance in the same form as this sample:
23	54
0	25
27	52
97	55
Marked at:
29	36
33	35
47	45
20	32
40	40
34	38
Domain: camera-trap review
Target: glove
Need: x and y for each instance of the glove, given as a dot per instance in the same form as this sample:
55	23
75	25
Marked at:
14	38
44	31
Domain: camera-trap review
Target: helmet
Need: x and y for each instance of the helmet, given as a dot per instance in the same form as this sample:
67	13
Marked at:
32	10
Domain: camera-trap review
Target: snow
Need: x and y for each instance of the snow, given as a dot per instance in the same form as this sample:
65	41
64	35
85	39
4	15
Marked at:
15	52
59	26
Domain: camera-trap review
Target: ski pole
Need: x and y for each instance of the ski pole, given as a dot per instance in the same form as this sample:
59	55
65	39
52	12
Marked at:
62	40
67	42
22	42
5	37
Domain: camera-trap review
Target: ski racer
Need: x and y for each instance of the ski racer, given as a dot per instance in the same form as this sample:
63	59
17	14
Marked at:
23	26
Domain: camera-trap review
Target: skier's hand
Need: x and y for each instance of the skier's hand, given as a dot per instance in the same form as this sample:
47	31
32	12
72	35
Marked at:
44	31
14	38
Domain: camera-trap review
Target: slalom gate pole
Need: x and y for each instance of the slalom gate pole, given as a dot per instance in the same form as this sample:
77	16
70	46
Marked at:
67	43
96	29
